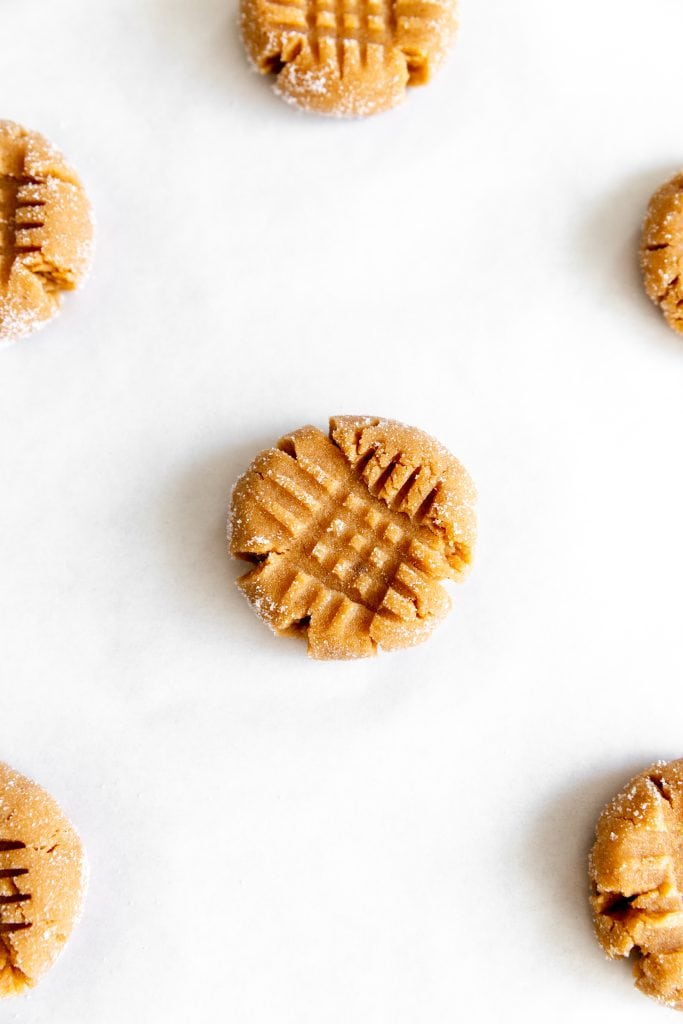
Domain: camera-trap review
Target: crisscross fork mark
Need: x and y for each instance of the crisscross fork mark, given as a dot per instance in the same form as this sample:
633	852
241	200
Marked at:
13	222
16	897
339	21
349	568
372	539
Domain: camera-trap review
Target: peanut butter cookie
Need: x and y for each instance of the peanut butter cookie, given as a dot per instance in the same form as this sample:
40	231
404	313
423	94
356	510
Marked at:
352	533
636	871
661	251
347	57
45	231
41	881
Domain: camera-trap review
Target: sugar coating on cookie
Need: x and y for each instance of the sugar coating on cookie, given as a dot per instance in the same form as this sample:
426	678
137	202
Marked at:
352	533
636	873
45	231
661	251
347	57
42	881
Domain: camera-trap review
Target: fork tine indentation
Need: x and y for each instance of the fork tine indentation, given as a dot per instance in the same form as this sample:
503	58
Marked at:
7	845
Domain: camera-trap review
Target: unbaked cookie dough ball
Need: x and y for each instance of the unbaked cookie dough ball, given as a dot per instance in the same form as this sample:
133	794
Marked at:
347	57
42	881
350	534
636	873
661	251
45	231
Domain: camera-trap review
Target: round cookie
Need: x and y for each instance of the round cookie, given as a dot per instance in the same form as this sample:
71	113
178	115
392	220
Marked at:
347	57
45	231
636	872
42	881
661	251
352	533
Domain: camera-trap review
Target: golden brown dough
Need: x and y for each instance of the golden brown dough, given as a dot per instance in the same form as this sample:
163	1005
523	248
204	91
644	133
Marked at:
347	57
661	251
352	533
636	871
45	230
42	880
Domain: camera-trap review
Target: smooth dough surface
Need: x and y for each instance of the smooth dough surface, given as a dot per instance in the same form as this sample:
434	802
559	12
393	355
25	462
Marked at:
42	881
352	533
347	57
636	872
45	231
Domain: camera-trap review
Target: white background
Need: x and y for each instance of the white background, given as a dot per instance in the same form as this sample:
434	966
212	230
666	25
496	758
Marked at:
401	840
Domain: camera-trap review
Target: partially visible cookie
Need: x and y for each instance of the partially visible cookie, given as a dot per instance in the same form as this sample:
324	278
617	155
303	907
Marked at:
347	57
636	872
661	251
351	534
45	230
42	881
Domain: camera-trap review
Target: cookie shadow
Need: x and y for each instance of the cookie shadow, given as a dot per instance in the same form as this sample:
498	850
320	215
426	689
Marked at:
555	860
208	32
608	241
196	505
205	32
